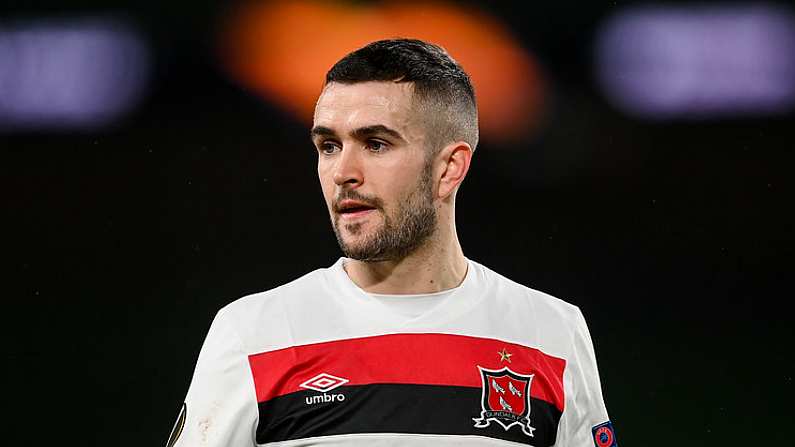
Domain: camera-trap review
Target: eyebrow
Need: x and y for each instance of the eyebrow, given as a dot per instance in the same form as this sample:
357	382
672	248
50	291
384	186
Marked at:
359	133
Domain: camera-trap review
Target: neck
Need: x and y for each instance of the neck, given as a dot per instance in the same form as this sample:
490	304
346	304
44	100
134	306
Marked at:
436	266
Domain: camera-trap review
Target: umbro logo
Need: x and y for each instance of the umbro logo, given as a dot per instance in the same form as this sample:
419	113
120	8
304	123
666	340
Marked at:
324	383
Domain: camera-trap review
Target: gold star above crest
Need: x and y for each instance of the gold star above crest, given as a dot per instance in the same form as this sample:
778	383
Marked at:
505	355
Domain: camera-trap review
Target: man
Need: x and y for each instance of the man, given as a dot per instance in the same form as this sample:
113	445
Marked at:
404	341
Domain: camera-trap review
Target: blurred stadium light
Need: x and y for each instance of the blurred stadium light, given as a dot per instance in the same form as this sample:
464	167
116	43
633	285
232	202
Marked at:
697	62
75	74
281	50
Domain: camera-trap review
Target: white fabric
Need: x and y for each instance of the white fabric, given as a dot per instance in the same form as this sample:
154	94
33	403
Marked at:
325	305
411	305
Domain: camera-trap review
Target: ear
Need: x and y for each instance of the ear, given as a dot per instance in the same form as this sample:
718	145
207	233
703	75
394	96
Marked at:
454	160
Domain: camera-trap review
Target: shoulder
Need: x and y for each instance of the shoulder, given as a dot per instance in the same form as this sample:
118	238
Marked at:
513	290
294	289
552	314
261	319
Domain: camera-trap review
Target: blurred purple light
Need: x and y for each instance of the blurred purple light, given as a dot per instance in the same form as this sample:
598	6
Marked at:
698	62
82	74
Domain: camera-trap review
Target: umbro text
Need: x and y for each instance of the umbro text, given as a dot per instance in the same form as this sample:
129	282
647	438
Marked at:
321	398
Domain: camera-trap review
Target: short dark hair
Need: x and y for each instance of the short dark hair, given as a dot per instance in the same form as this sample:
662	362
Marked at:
441	86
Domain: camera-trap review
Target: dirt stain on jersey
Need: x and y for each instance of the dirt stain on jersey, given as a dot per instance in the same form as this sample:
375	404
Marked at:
206	423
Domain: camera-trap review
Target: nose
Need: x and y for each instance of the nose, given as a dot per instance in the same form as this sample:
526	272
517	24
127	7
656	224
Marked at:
348	168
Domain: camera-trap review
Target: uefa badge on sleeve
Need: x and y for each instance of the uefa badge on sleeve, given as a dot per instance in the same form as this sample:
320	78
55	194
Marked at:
178	426
604	435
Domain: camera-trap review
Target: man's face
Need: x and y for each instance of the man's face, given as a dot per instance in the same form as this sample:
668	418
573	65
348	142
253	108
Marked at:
372	167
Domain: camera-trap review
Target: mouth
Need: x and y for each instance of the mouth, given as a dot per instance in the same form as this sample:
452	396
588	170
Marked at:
351	210
351	214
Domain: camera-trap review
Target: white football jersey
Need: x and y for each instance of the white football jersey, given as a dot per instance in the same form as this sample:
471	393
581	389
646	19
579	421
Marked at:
318	361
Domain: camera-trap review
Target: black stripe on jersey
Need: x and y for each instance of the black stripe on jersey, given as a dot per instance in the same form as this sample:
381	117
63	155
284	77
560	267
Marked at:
394	408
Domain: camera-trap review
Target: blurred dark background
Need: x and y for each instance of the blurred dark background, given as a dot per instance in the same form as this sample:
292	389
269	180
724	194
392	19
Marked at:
669	223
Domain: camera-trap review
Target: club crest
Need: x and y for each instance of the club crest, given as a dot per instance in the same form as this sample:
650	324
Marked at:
505	399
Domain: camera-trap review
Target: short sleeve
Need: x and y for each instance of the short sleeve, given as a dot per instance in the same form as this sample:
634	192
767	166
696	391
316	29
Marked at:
220	408
584	407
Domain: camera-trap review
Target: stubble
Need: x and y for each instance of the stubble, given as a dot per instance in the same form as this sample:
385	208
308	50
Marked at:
413	223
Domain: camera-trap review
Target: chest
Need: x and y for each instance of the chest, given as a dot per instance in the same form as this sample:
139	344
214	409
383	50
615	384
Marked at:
418	383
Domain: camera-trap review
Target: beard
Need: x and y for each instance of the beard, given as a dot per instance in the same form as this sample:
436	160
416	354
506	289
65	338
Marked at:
413	223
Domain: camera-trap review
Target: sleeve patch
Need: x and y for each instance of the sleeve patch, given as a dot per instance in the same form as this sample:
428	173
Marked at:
604	435
178	426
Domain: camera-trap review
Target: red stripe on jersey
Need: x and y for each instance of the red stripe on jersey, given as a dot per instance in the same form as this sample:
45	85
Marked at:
424	359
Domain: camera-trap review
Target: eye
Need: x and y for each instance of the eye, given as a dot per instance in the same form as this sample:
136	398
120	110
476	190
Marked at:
376	145
327	147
